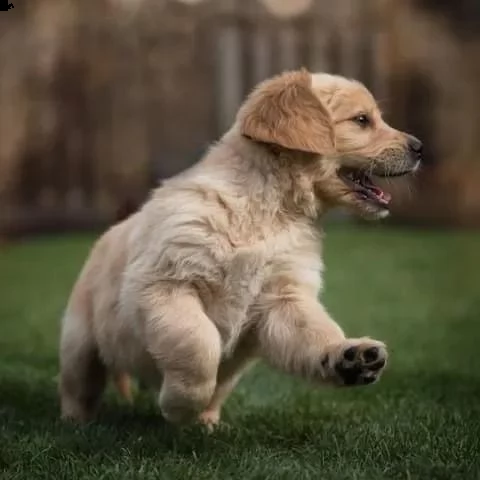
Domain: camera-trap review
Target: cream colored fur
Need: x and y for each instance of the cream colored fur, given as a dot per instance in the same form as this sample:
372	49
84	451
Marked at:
222	265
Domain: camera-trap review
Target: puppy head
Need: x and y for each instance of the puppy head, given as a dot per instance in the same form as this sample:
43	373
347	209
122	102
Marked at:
338	122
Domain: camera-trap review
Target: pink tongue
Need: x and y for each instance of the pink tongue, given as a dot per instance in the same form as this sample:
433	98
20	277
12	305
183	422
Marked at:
380	193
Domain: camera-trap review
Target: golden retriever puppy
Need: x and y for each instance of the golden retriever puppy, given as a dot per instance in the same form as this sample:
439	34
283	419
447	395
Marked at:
222	265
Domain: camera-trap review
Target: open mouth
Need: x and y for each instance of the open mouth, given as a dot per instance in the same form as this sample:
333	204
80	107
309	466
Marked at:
364	187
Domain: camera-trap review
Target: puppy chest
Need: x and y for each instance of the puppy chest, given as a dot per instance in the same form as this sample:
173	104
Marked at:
294	257
254	272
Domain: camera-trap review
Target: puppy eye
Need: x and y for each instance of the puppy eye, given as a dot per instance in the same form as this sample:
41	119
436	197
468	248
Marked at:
362	120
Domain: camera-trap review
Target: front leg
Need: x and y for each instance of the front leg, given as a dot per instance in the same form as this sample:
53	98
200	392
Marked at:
186	348
298	336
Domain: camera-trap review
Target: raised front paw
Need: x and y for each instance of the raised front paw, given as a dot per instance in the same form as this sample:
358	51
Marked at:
358	361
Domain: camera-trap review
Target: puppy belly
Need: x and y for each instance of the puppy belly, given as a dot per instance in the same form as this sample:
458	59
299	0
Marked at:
124	351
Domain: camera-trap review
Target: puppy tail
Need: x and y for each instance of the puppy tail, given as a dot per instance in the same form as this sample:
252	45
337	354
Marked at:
123	383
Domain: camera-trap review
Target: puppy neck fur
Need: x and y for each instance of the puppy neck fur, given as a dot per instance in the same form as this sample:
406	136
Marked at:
276	180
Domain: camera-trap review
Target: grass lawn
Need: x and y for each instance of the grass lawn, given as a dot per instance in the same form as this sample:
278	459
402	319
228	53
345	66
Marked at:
418	291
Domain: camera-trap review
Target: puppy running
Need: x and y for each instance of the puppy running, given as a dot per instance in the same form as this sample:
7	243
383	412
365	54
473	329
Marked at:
222	264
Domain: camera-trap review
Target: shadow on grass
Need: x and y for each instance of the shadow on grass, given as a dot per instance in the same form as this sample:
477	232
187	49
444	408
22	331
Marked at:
29	408
430	422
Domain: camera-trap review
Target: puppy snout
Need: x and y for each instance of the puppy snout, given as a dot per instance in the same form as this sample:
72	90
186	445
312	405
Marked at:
415	146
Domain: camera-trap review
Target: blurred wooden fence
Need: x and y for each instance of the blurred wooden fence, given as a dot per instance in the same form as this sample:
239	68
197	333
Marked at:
101	98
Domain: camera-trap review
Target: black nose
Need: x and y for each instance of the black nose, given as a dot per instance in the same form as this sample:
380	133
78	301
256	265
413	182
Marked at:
415	145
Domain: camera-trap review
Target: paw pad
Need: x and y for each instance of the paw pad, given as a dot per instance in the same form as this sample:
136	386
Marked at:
360	363
370	355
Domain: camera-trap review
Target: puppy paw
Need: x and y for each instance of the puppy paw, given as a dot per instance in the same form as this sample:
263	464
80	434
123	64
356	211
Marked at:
210	419
355	362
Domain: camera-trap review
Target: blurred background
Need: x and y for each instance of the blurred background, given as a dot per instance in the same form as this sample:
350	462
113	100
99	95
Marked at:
100	99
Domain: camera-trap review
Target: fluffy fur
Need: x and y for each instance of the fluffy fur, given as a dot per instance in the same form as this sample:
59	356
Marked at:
222	264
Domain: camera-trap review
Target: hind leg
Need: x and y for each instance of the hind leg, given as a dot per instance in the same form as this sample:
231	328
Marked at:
82	373
229	374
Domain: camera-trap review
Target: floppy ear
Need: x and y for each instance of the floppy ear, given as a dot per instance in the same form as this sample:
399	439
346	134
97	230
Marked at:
284	111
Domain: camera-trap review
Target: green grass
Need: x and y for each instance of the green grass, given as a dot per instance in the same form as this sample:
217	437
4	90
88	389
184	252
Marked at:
418	291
